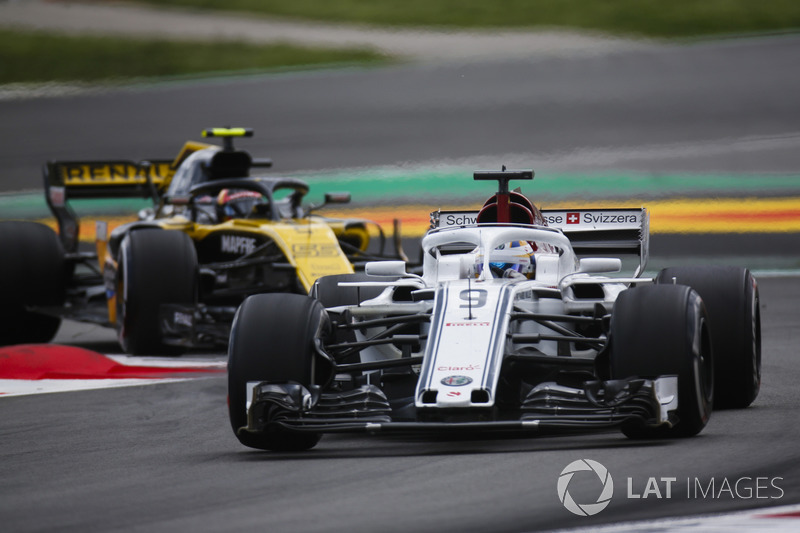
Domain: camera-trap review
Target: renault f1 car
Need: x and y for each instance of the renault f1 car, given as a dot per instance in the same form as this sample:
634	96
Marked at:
174	278
515	325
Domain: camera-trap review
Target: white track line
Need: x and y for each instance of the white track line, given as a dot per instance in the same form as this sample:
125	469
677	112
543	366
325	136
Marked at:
764	520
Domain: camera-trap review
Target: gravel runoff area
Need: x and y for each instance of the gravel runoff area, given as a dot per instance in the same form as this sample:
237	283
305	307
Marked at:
120	18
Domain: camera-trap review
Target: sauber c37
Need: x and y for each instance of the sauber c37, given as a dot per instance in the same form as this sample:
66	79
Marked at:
516	324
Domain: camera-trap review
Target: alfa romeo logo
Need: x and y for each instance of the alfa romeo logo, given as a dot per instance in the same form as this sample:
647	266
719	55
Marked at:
456	381
585	509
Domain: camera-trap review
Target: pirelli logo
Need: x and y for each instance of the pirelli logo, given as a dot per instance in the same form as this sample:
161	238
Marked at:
113	173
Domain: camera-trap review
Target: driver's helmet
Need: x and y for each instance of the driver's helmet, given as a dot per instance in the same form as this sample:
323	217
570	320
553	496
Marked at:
513	259
232	203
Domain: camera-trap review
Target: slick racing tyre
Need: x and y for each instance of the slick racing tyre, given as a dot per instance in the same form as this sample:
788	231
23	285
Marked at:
272	339
661	330
32	274
155	267
731	298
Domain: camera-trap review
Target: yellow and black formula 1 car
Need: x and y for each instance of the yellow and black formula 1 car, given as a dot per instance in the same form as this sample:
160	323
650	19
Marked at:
174	278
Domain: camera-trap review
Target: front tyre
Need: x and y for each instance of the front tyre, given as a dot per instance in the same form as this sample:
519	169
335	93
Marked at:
272	339
155	267
661	330
731	297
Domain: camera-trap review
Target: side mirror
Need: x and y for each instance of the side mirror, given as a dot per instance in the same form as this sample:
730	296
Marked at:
337	198
385	268
596	265
331	198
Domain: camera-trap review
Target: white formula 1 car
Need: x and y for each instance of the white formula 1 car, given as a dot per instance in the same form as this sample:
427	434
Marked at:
510	328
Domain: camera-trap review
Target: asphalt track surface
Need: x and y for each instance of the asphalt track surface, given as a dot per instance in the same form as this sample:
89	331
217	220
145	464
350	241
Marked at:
726	106
163	457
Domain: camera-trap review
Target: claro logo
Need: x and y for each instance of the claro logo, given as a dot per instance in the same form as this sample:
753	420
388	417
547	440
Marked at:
585	509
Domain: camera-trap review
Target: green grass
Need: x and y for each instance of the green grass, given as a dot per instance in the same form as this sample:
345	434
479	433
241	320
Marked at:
27	56
654	18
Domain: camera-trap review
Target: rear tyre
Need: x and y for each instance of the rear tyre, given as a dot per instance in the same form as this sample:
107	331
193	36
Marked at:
731	298
272	339
32	274
155	267
662	330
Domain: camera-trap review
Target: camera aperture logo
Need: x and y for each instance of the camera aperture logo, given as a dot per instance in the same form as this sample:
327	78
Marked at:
585	509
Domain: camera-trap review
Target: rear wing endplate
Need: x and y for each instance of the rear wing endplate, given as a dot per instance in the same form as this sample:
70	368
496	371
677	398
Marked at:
592	232
68	180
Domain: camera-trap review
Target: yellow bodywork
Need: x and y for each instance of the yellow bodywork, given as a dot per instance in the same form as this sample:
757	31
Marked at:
310	246
357	235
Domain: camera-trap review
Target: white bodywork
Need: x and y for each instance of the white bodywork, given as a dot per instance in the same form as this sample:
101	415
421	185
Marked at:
468	335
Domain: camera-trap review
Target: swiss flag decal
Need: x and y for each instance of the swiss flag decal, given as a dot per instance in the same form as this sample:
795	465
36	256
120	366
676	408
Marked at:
573	218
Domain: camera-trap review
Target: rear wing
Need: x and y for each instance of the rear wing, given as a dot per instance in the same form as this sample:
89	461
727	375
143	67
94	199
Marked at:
68	180
602	232
592	232
118	179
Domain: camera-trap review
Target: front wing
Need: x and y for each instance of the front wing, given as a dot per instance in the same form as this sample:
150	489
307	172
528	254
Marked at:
548	408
